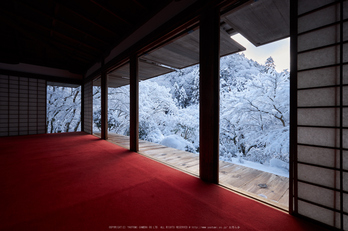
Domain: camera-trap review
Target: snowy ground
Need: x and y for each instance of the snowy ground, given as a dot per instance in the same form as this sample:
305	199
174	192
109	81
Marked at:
276	167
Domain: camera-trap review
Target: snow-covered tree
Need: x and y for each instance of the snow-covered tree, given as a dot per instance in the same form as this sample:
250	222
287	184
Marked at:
63	109
269	65
118	110
96	108
256	119
183	85
156	109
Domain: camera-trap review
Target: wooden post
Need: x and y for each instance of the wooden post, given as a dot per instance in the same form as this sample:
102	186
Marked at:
134	104
104	106
209	95
293	201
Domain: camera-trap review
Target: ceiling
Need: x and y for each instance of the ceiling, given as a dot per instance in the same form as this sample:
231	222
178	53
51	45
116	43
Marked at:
74	34
68	34
262	21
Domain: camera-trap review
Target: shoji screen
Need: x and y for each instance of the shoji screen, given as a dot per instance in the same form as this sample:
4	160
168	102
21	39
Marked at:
22	106
321	166
88	102
4	105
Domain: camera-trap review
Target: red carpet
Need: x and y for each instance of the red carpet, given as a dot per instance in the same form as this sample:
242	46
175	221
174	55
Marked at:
75	181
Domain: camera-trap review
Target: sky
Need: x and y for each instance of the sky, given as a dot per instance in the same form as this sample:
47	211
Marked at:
280	51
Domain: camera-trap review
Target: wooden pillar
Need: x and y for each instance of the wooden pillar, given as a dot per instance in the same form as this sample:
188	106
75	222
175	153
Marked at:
293	203
134	104
209	95
104	106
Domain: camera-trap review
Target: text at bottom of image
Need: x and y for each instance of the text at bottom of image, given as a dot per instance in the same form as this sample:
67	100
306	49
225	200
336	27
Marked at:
212	227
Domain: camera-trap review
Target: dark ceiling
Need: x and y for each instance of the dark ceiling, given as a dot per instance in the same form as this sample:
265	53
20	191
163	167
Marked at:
68	34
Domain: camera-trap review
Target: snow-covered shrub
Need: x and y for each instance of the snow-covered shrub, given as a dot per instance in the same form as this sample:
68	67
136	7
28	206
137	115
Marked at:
177	142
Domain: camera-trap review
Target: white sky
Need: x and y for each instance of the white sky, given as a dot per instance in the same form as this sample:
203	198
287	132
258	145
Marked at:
280	51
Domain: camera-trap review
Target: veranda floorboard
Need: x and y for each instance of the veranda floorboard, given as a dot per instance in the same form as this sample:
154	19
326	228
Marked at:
263	186
284	200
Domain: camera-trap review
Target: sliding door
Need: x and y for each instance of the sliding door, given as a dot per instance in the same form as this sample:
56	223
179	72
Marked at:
320	113
22	106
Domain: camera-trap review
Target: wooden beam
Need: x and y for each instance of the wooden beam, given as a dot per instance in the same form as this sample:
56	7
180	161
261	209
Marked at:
209	57
104	105
48	78
134	104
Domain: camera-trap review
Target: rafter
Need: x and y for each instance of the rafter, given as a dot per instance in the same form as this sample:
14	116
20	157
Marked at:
112	13
87	19
19	48
139	4
53	19
73	52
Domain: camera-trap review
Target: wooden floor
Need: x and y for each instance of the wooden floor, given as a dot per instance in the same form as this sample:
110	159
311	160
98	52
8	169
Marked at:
263	186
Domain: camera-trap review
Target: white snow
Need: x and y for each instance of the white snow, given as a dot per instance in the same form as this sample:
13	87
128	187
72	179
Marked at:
264	196
277	170
174	141
279	164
